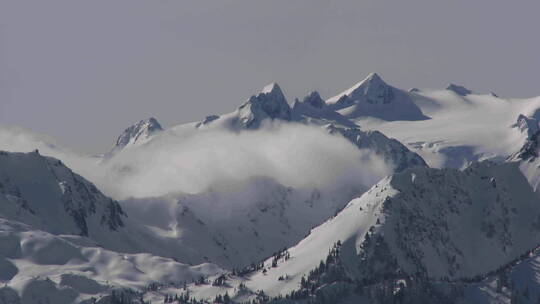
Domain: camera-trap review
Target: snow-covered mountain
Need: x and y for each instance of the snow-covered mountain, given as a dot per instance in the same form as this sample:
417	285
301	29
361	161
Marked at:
39	267
197	235
217	223
137	134
195	208
54	226
422	224
372	97
44	193
268	104
249	209
440	223
313	109
235	224
462	127
391	150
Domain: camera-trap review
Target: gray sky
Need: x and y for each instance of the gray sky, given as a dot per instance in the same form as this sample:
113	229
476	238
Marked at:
82	71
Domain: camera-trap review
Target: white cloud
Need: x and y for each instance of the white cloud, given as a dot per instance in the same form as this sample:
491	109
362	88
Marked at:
292	154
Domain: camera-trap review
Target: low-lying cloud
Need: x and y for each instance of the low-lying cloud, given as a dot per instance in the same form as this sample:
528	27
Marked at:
191	161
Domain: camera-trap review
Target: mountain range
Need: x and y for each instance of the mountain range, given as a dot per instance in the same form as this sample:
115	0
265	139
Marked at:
375	195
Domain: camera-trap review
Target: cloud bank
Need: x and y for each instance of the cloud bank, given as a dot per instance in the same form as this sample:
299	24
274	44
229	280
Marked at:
191	161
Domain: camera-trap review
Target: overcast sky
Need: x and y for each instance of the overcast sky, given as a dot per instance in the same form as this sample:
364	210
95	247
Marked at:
82	71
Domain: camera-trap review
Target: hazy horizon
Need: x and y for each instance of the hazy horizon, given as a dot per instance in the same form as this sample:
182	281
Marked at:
82	72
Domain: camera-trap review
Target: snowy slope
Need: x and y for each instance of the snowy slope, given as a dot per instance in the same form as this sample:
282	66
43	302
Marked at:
372	97
137	134
461	128
234	223
268	104
423	222
38	267
53	227
391	150
46	195
41	191
527	155
313	109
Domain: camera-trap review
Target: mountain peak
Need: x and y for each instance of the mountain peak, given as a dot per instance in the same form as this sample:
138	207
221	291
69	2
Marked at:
138	132
314	100
272	88
269	103
371	89
458	89
373	80
373	77
372	97
273	92
62	202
